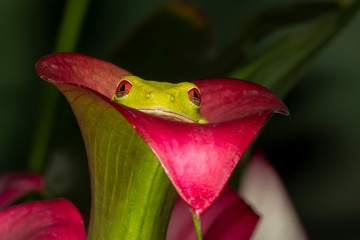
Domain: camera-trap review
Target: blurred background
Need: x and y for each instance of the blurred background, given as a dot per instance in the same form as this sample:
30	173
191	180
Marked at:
316	150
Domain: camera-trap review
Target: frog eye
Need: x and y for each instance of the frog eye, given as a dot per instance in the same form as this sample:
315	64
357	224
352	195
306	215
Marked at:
123	88
194	96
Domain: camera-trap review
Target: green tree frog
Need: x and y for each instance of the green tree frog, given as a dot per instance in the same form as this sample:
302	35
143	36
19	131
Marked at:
177	102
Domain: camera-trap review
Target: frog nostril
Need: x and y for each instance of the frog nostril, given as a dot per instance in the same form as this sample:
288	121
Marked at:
149	95
171	98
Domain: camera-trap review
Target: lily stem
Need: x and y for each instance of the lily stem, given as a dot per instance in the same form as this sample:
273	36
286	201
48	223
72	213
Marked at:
197	225
68	36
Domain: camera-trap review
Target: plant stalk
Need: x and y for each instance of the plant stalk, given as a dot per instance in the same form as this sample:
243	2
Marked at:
67	40
197	225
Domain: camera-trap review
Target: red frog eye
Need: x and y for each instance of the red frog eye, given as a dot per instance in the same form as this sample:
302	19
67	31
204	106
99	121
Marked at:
123	88
194	96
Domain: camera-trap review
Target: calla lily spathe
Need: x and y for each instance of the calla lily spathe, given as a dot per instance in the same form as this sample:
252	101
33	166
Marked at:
198	158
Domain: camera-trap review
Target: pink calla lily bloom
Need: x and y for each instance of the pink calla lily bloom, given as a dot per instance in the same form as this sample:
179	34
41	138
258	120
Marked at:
198	158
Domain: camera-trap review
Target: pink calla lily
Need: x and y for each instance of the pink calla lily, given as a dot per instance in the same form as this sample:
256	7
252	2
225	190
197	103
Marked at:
229	217
198	158
44	220
15	185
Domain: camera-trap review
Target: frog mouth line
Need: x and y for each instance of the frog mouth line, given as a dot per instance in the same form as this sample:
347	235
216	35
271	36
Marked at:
167	115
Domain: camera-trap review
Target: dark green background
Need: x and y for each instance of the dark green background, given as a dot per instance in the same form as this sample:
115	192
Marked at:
316	150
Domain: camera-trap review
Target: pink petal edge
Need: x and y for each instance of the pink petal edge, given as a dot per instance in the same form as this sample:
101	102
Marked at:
56	219
15	185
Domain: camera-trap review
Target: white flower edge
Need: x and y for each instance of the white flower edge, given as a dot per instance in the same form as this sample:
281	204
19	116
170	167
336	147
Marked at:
264	191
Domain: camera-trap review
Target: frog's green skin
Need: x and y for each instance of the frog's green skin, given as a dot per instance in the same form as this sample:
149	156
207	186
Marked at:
167	100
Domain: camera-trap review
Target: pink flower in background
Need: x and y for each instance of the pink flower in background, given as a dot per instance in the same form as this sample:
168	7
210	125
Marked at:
15	185
228	218
43	220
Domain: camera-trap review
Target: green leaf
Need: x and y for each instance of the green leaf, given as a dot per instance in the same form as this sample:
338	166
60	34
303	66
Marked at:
172	44
281	59
132	196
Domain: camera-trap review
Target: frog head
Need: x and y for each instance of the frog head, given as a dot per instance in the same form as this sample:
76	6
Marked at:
178	102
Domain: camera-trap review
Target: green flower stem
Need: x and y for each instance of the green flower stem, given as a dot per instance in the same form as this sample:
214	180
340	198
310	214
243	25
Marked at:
44	128
197	225
68	36
138	207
